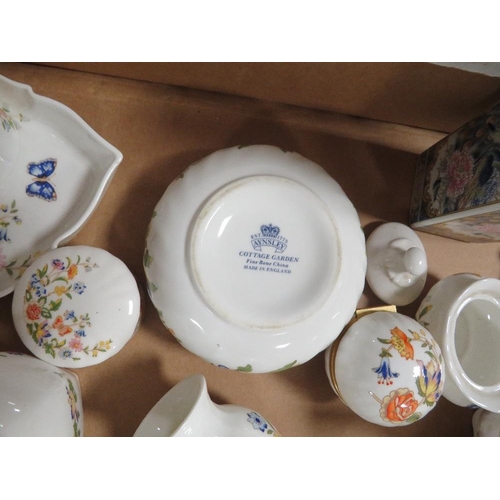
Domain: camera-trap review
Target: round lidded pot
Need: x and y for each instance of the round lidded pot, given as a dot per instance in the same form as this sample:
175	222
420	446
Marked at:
76	306
386	367
463	313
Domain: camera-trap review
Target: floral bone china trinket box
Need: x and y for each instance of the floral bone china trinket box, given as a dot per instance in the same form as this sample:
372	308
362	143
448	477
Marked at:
456	191
386	367
76	306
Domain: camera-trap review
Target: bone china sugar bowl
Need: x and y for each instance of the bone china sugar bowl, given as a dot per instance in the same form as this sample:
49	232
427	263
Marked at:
463	313
386	367
255	259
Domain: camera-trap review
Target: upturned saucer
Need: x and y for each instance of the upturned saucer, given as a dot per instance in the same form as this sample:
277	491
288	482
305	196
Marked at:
255	259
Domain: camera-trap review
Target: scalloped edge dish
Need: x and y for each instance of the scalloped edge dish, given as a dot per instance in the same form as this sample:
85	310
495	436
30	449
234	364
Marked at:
54	170
255	259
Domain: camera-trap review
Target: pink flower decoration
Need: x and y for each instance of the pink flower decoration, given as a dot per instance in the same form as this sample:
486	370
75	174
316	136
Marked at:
3	260
75	344
459	172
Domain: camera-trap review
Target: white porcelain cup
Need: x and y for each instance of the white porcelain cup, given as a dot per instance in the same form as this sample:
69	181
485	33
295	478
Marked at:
463	313
187	411
38	399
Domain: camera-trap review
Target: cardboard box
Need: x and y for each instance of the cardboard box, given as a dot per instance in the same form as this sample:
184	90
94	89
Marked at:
364	123
457	183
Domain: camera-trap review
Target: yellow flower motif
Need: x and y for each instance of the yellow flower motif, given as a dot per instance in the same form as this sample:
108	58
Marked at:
416	335
4	208
95	352
105	344
60	290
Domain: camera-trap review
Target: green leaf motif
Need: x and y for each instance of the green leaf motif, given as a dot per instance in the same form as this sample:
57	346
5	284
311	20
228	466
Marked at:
413	418
148	259
49	350
286	367
46	313
384	341
55	305
41	273
424	311
245	369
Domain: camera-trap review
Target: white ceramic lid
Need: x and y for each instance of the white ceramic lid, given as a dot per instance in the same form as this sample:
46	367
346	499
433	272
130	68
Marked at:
397	264
76	306
387	368
255	259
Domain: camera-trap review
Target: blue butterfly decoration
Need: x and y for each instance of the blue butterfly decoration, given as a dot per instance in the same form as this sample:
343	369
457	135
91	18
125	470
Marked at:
42	188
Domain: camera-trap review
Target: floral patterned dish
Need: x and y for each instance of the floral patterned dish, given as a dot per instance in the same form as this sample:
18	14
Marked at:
255	259
53	172
387	368
76	306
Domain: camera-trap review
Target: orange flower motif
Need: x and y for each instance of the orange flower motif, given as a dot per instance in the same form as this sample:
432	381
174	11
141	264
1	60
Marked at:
399	406
400	341
61	328
33	311
72	271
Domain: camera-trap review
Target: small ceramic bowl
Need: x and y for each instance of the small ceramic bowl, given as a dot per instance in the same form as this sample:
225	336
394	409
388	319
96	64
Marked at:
54	170
463	313
386	368
76	306
187	411
38	399
255	259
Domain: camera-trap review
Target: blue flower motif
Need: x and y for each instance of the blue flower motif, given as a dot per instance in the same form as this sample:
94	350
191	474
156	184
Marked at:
3	234
65	353
79	288
384	372
69	315
34	280
81	333
40	290
257	421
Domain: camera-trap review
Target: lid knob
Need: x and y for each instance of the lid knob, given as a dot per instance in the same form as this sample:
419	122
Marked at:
397	264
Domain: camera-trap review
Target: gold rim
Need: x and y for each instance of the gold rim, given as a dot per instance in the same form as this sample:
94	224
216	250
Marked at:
335	346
